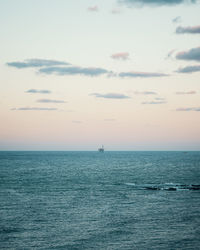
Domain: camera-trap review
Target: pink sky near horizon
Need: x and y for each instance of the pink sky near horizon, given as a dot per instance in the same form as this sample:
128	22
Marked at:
77	76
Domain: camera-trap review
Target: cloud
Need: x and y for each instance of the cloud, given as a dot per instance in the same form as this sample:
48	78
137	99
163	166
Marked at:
34	63
145	93
35	108
115	11
111	96
93	8
170	53
189	69
53	67
160	99
50	101
130	3
188	109
141	74
176	19
78	70
38	91
155	102
190	55
120	56
73	71
189	30
186	93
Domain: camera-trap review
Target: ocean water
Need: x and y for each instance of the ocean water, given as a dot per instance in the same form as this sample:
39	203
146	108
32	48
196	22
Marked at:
92	200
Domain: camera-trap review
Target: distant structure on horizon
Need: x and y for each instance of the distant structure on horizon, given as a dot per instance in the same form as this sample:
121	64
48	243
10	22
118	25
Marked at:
101	149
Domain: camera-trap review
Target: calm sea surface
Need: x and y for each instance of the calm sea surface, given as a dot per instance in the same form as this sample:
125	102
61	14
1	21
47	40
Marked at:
92	200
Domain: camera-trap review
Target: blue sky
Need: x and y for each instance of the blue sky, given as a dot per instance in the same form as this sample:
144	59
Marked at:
78	74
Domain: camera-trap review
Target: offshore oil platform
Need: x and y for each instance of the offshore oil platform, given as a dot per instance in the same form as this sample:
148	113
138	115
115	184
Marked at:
101	149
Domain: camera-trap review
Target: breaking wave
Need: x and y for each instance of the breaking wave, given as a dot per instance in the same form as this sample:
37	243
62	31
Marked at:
165	187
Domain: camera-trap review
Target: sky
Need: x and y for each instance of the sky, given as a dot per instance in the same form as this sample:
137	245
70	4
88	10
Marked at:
76	74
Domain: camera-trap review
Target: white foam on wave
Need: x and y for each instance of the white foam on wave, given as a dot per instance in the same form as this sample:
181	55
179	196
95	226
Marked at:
130	184
172	184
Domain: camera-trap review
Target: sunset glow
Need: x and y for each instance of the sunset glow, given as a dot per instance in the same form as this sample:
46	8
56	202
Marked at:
79	74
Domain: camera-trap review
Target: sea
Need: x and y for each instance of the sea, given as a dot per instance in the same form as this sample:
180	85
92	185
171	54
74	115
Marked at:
93	200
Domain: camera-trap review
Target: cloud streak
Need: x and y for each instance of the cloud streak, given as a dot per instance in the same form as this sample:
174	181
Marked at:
189	69
189	109
64	68
73	71
110	96
145	93
93	8
50	101
115	11
190	55
120	56
35	63
160	99
38	91
34	109
133	74
154	102
188	30
154	3
186	93
170	53
176	19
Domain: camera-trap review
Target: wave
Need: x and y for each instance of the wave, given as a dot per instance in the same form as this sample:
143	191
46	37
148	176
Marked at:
130	184
164	187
